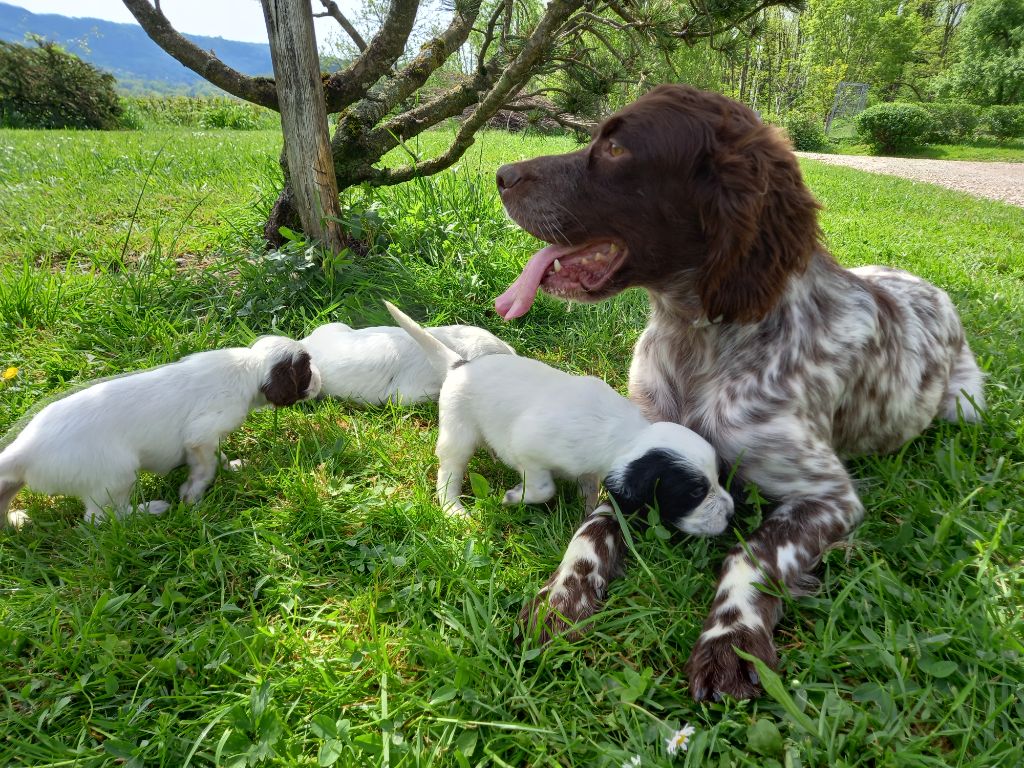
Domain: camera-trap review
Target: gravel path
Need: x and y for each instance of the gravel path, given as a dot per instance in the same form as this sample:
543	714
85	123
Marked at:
997	181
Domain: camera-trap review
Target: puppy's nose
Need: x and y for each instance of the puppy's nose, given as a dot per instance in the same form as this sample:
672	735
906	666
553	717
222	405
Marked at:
508	176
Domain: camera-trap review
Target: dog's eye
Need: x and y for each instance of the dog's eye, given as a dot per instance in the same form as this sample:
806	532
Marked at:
615	150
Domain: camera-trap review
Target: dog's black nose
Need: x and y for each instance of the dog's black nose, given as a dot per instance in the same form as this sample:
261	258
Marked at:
508	177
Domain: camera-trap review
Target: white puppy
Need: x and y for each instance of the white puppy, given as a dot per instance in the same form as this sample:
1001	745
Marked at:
91	443
546	423
374	365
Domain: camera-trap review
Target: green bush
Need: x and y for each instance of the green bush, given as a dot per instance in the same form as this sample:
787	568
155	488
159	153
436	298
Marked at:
805	131
44	86
131	117
952	123
891	127
234	116
1004	122
206	112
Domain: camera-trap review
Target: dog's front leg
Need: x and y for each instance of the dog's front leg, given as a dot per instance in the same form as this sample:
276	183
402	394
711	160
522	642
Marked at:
778	556
577	588
202	465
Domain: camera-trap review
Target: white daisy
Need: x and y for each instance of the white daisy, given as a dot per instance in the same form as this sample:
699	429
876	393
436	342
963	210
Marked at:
680	740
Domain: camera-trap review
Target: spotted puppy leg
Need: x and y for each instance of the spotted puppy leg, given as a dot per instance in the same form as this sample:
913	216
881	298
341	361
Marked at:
577	588
965	393
779	554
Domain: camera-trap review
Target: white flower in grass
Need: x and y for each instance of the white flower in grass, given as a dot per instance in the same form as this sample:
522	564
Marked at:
633	762
680	740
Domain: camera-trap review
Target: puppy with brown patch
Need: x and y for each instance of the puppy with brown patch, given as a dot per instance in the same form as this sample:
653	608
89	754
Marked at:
92	443
546	423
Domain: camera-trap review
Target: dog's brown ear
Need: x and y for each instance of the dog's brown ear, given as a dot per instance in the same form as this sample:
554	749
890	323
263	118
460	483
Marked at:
759	219
288	380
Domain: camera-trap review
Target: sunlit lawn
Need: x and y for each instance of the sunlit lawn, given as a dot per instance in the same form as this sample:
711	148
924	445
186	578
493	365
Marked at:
317	607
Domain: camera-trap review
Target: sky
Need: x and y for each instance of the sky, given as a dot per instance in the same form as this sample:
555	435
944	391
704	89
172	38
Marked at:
230	19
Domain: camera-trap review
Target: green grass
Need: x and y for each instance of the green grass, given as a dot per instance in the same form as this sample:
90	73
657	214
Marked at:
317	604
981	150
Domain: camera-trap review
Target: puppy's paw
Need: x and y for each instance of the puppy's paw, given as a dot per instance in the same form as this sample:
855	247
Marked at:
535	492
18	519
231	465
513	496
95	516
153	507
191	492
455	510
570	597
715	670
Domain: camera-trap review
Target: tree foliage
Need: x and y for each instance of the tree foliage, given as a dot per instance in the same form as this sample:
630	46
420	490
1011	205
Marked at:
990	69
44	86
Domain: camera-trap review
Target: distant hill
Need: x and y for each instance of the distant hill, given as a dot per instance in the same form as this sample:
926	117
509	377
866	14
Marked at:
124	50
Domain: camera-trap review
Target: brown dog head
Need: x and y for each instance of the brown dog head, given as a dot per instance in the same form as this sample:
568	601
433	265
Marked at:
682	192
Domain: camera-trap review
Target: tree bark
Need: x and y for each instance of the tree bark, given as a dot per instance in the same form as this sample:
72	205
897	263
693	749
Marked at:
283	213
300	97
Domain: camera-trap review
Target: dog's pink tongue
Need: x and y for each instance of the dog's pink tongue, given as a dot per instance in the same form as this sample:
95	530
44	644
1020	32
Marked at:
517	300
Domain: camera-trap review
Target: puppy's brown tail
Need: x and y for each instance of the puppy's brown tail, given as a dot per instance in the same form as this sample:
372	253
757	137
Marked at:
441	357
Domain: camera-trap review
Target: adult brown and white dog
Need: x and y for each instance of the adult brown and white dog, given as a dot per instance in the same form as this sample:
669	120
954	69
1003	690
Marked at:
93	442
757	339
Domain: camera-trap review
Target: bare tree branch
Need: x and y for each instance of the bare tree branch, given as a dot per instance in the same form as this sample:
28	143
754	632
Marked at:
562	118
555	16
335	13
613	50
415	121
623	13
351	142
351	84
258	90
595	19
498	12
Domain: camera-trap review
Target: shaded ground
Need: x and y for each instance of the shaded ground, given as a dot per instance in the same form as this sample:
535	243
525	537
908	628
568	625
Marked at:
996	181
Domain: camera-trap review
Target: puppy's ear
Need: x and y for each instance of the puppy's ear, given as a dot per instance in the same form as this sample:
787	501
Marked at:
659	477
288	380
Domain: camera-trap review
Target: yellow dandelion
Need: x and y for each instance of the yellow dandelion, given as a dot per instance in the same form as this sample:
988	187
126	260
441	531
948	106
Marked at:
9	374
680	740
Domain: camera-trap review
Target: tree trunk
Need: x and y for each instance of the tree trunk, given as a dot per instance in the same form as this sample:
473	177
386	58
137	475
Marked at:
283	214
307	149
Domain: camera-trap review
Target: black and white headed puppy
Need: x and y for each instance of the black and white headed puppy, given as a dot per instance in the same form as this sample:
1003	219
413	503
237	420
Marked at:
546	423
374	365
91	443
